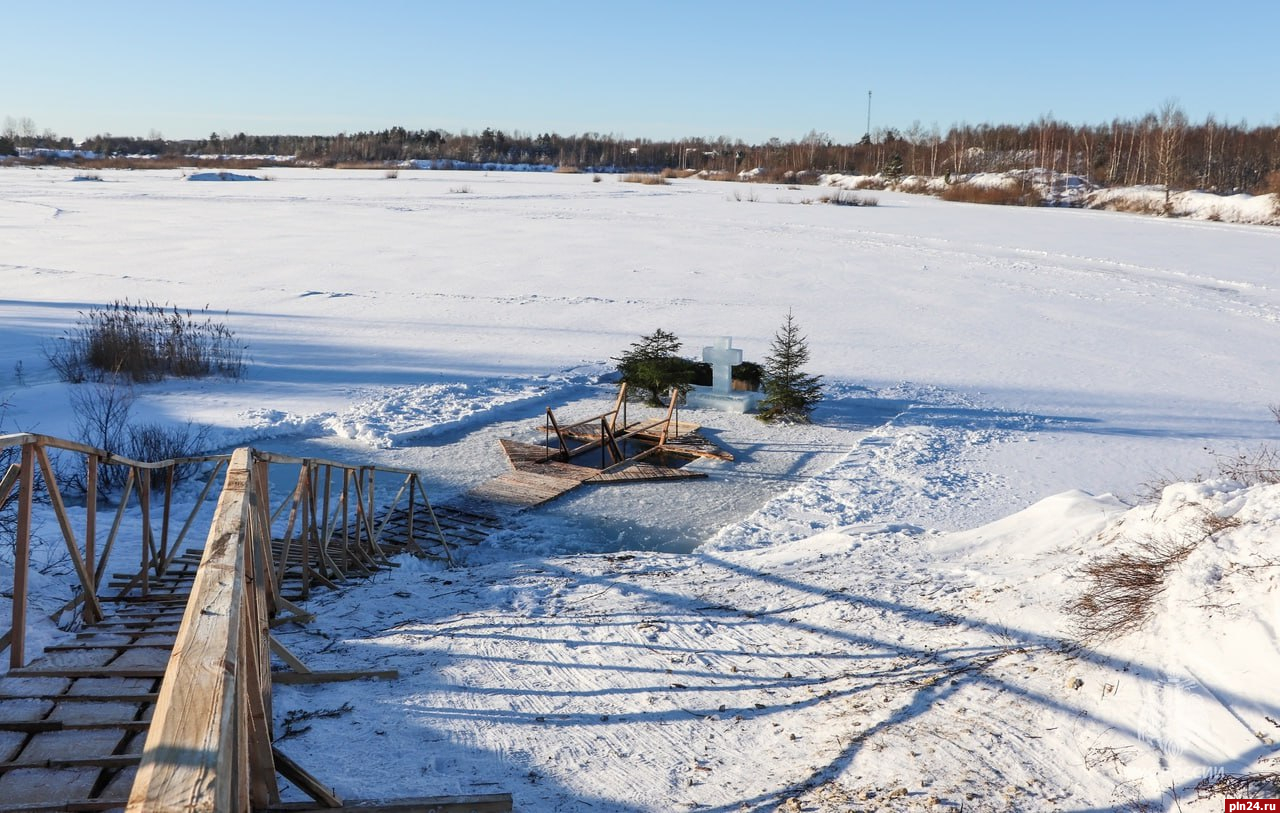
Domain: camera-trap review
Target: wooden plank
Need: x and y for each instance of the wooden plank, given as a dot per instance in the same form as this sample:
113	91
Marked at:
142	697
39	726
113	761
295	663
63	807
6	482
485	803
307	783
94	672
335	676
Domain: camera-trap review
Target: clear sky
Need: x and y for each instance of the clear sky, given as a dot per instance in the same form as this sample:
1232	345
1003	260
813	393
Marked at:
647	69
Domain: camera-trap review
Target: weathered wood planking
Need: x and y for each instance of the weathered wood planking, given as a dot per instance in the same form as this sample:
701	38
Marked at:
184	765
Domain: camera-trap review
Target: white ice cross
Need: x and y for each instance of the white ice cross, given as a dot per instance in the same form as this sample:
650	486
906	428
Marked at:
722	357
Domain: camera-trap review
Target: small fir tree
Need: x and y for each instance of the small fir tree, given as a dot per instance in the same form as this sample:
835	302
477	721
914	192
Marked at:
894	169
790	393
652	367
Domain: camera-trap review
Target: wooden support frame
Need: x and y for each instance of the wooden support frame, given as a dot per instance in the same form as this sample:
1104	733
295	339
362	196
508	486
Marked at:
93	610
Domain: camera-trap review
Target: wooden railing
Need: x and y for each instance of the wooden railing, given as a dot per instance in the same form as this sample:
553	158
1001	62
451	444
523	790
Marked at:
331	531
89	563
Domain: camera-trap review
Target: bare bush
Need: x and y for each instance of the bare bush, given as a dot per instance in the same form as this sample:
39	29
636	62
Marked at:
1121	586
1259	466
146	342
103	414
1009	194
153	442
1247	785
460	190
647	178
102	411
391	174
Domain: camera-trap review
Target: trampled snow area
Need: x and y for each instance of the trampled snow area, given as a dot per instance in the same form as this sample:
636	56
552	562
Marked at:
867	613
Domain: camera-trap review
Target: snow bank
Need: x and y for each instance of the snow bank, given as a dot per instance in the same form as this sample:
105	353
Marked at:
1242	208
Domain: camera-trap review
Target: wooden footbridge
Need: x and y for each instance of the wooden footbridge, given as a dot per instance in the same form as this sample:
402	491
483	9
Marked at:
161	699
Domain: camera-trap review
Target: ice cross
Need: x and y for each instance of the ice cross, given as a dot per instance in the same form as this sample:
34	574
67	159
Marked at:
722	356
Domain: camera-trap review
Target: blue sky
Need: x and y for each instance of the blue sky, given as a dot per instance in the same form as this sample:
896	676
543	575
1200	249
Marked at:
653	69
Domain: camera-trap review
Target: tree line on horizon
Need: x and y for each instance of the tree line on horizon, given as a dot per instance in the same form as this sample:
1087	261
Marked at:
1161	147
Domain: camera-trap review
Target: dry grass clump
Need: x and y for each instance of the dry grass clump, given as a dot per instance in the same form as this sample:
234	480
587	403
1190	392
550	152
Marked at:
360	165
999	195
844	197
146	342
391	174
1121	586
870	182
646	178
460	190
566	169
1135	204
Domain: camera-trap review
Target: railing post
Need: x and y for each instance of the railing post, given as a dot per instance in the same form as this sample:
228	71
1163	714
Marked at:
164	522
22	556
91	515
413	483
144	505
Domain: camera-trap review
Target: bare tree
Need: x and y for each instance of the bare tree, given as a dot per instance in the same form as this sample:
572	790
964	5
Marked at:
1171	131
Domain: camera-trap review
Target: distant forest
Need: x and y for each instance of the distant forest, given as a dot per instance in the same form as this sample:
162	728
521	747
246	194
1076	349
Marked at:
1158	148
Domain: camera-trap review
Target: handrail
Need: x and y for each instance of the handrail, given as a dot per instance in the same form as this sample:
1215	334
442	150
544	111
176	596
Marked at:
217	687
24	438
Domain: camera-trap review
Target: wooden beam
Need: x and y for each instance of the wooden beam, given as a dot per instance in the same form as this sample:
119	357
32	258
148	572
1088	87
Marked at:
486	803
115	526
336	676
91	517
114	761
92	610
6	482
21	558
307	783
295	663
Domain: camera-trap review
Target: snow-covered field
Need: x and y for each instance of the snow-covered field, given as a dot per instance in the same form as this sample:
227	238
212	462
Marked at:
862	614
